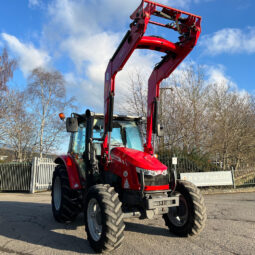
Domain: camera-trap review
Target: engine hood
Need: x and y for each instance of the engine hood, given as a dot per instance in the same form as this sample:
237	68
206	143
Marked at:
136	158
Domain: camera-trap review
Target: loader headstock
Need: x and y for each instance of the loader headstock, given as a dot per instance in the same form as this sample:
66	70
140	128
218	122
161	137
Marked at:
182	22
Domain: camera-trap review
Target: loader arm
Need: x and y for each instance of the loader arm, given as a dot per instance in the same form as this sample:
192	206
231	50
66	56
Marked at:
186	24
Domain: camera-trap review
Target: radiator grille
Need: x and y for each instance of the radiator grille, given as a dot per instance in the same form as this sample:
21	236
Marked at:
157	180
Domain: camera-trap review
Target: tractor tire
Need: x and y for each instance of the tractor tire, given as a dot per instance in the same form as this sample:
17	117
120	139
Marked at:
103	218
188	219
65	201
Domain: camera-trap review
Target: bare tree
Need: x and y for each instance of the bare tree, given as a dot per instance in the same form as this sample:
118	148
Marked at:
185	107
46	90
18	131
232	125
136	100
212	119
7	67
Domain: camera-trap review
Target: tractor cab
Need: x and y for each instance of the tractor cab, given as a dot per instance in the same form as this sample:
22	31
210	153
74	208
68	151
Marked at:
87	134
126	133
128	166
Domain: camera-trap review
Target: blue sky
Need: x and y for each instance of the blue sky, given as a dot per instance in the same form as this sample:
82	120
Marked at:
78	37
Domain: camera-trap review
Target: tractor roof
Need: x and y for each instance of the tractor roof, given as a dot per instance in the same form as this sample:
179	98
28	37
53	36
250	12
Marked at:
115	117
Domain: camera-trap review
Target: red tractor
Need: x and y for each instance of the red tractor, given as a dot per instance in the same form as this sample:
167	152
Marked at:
109	173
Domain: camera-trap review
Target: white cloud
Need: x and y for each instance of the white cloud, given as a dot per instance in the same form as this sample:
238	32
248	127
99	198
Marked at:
94	51
89	91
230	40
34	3
28	56
91	46
212	74
90	15
71	18
183	3
217	75
88	32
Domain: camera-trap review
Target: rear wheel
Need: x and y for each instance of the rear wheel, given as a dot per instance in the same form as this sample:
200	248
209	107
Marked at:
104	218
65	201
189	217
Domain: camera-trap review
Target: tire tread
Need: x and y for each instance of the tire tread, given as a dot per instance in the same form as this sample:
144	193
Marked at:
197	216
70	204
114	224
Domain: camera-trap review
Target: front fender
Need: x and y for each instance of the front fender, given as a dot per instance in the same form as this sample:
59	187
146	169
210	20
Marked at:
72	171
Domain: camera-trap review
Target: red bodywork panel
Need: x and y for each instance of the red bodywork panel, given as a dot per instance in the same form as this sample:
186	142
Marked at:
72	170
186	24
124	162
157	44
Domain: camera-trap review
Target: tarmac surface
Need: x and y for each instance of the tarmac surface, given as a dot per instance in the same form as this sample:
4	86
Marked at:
27	227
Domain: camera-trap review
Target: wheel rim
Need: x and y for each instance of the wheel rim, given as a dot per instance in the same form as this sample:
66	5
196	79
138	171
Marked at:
179	215
94	218
57	193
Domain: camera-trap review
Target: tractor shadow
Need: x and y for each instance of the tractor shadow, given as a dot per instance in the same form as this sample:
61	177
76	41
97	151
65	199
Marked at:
148	229
33	223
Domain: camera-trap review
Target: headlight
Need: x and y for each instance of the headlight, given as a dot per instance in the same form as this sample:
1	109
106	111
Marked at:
151	172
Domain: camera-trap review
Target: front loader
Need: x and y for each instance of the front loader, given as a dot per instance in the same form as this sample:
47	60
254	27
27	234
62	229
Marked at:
108	173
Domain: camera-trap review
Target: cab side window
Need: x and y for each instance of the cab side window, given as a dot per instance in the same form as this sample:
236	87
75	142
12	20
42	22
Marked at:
79	140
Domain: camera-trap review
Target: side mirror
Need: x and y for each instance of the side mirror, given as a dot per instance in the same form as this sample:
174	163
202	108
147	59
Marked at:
160	130
72	125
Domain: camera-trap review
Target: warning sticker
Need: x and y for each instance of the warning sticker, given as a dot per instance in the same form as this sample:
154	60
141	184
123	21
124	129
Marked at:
126	184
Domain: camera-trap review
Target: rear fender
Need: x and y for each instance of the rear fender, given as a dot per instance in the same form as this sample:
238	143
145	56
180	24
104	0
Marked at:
72	171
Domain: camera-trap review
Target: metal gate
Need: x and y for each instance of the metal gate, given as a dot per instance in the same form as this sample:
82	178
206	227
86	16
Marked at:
15	176
41	176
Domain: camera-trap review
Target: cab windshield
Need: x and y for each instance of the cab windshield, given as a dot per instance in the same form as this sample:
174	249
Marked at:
124	134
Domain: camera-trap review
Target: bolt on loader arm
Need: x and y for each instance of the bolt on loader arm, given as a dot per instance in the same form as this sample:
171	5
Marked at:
186	24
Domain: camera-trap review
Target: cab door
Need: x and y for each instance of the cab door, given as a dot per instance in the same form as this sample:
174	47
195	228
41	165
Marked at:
77	148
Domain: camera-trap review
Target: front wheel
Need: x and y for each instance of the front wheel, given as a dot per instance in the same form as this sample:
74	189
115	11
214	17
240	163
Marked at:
189	217
65	201
103	218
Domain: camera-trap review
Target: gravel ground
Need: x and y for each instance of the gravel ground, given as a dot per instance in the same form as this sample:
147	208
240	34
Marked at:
27	227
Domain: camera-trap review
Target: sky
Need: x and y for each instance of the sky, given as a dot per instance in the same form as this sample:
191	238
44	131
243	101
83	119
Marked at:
78	37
